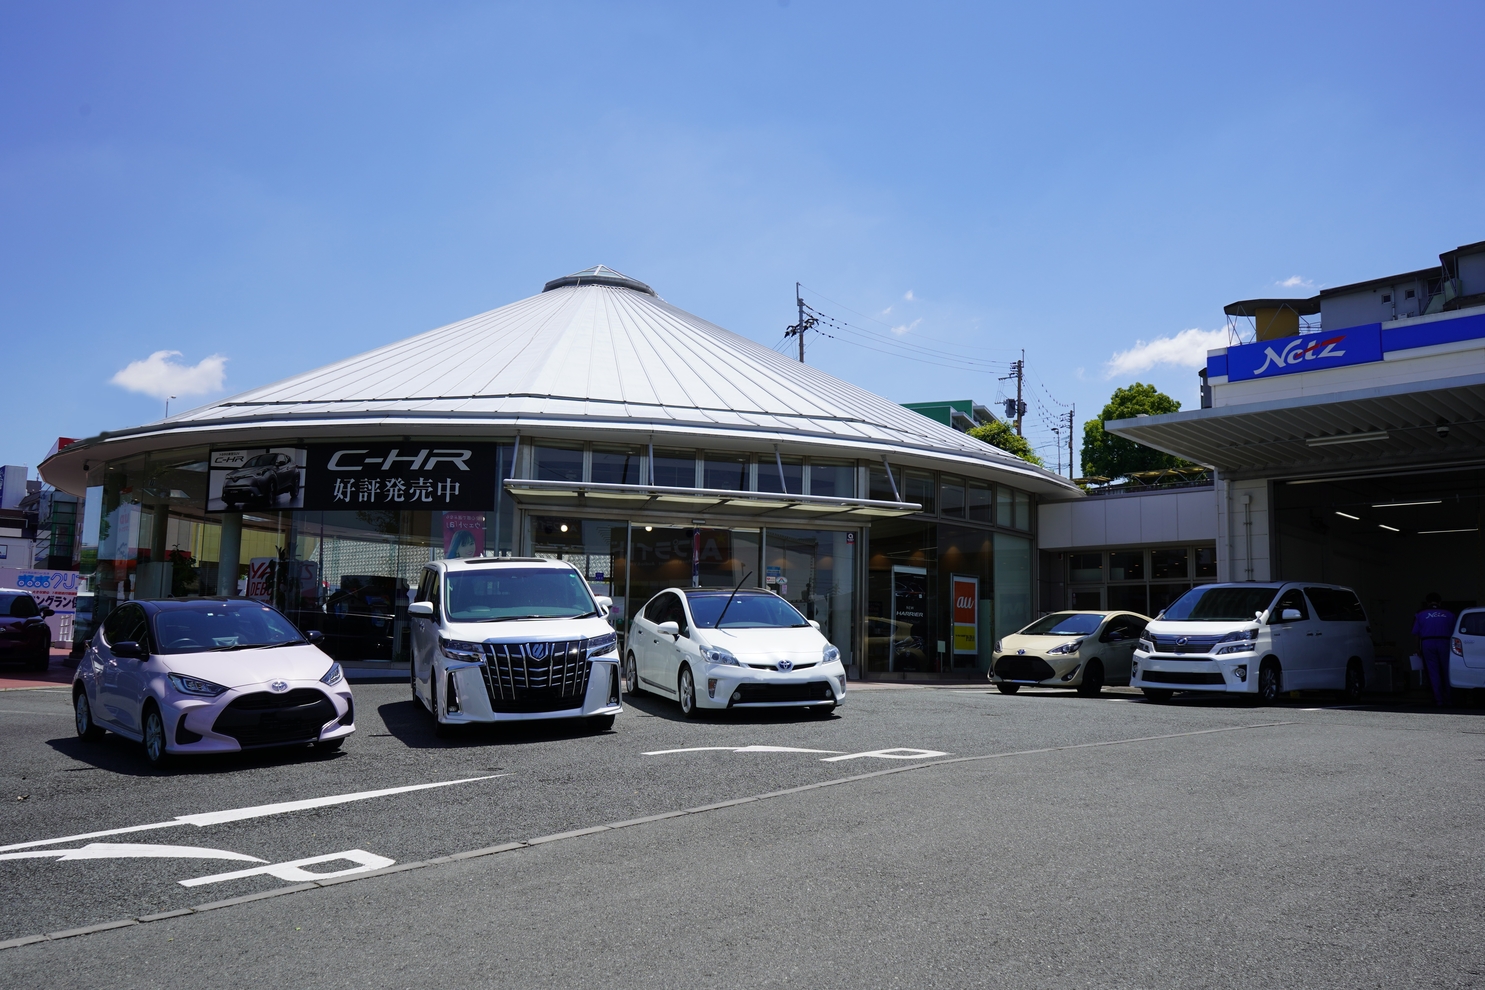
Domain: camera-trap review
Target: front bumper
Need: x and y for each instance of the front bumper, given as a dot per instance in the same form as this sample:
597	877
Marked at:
247	718
470	700
1035	670
726	686
1229	674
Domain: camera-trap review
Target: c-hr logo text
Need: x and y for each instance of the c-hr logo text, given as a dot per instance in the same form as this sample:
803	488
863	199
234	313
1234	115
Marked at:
1298	351
423	460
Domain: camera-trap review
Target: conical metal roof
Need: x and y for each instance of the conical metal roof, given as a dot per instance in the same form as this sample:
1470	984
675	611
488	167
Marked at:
587	356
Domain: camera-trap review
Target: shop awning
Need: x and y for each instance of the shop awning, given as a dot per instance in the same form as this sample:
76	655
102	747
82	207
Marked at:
1384	427
570	496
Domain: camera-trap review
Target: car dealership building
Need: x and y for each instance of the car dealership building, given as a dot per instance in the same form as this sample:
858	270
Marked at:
592	422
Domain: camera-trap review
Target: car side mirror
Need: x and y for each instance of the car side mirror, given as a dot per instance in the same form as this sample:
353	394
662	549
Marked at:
129	649
315	637
1290	615
814	623
605	604
47	613
422	610
669	629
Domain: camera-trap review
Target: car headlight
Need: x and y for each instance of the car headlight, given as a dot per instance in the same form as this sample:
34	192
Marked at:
996	647
195	685
1240	641
717	655
334	675
599	645
830	655
458	650
1146	645
1066	648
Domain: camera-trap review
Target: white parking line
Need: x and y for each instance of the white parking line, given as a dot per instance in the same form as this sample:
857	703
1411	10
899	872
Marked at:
888	754
259	811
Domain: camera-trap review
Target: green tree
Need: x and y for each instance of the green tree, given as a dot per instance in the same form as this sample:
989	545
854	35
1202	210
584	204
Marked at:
1001	434
1110	456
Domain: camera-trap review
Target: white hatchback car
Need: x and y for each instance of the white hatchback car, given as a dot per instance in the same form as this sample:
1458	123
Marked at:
721	648
1467	651
209	675
501	639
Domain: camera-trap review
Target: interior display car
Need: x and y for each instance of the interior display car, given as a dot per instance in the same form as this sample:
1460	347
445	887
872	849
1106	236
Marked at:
718	648
500	639
1258	640
1079	650
209	675
24	634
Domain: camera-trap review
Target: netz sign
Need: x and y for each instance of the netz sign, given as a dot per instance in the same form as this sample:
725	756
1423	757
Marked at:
439	475
1307	352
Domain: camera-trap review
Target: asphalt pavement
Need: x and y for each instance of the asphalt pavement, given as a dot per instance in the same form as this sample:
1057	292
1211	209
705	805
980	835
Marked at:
1035	840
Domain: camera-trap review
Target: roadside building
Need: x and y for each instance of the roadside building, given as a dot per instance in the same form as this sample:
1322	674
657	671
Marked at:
592	422
1350	448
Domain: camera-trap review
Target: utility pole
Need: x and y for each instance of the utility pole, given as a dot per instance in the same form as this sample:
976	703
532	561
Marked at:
798	329
1016	408
1072	472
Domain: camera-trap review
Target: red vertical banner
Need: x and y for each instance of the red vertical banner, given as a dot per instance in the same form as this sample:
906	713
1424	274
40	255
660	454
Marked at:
965	592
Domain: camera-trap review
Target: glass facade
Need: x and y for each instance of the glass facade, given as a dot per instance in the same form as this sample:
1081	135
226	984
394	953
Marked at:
1143	580
920	595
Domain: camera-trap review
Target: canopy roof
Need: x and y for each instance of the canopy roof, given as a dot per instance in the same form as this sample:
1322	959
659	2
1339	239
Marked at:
596	355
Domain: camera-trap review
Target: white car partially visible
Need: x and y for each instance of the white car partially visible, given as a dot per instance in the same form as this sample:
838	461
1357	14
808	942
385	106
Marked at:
719	648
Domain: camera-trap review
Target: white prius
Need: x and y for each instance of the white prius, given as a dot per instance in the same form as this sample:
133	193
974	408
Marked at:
498	639
713	648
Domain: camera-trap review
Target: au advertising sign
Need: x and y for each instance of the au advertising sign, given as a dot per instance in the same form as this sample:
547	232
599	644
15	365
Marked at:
966	591
444	476
1306	352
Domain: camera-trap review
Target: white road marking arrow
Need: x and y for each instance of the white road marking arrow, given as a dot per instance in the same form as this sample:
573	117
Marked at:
258	811
740	749
888	754
292	872
130	850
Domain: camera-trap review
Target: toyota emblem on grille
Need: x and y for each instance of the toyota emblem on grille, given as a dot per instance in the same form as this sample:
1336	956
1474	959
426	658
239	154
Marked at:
785	666
278	687
537	650
1020	653
1183	641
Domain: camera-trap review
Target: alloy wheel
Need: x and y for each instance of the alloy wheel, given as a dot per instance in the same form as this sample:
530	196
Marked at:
688	693
1270	683
154	736
631	673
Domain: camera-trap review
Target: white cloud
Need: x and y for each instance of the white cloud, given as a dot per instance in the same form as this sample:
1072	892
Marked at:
907	327
1295	282
886	312
908	295
161	377
1187	349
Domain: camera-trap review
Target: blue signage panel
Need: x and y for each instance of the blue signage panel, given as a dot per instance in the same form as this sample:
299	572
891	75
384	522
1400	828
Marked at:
1307	352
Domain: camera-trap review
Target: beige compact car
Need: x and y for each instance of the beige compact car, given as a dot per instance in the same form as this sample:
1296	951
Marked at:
1082	650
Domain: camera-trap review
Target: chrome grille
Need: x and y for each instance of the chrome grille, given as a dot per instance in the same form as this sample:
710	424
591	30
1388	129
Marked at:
1192	644
537	677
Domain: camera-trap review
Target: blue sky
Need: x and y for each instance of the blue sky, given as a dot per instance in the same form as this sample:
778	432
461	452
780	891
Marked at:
268	187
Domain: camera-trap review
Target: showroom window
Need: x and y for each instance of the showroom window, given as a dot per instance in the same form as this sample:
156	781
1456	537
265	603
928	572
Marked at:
1137	580
833	478
768	474
726	472
675	468
617	466
557	463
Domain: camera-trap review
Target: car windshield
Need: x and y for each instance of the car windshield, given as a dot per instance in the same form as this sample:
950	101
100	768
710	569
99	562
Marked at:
199	627
749	610
1064	624
261	460
505	593
18	606
1220	604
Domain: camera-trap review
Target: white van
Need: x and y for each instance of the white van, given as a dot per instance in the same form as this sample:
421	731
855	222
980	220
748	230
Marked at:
500	639
1256	639
1467	651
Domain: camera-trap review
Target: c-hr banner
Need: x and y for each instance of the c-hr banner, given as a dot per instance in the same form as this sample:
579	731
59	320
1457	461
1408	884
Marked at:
439	475
255	478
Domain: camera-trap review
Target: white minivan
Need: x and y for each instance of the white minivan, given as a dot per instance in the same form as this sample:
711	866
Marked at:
498	639
1256	639
1467	651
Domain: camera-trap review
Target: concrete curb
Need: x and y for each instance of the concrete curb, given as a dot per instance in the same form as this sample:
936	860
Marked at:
594	830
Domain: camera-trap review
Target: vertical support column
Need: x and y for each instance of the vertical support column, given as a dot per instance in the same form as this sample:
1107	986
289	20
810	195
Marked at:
230	555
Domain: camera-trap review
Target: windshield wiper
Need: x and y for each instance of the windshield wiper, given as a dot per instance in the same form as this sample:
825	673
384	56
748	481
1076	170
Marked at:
259	646
514	618
723	615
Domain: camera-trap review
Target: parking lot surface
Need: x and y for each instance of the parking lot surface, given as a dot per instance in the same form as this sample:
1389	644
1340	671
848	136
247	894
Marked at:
1035	840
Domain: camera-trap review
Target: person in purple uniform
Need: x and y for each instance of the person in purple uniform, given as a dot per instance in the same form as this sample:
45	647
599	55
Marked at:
1433	626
